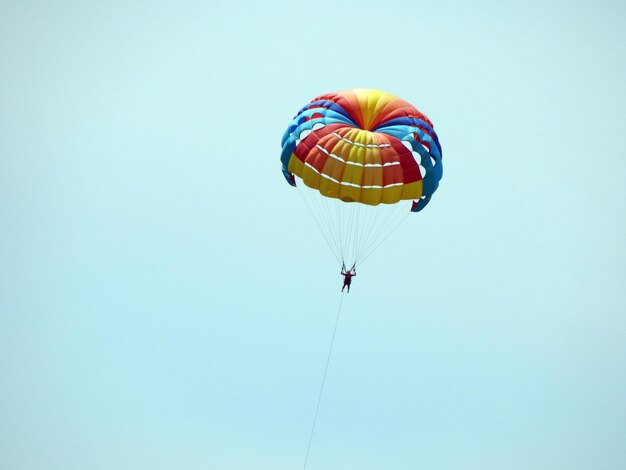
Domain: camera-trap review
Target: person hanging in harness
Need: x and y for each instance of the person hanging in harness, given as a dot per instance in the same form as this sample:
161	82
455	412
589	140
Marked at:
347	274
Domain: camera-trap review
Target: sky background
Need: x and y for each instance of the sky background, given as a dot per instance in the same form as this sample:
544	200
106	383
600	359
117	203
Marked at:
166	301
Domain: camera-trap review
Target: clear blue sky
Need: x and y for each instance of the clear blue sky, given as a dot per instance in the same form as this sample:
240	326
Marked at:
166	301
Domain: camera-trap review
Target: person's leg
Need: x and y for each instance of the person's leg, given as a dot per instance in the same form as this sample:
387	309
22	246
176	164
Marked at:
348	288
344	286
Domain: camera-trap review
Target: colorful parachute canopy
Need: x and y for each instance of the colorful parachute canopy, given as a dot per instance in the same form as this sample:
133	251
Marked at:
360	153
364	146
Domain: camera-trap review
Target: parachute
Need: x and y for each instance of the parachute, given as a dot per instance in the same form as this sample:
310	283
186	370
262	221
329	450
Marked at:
358	156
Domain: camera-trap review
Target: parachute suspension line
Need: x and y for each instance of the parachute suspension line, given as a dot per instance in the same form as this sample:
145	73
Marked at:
331	223
374	234
316	218
366	215
319	397
380	224
395	218
379	227
327	224
355	235
358	230
321	207
367	255
374	214
336	202
391	215
377	214
350	231
335	209
329	220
